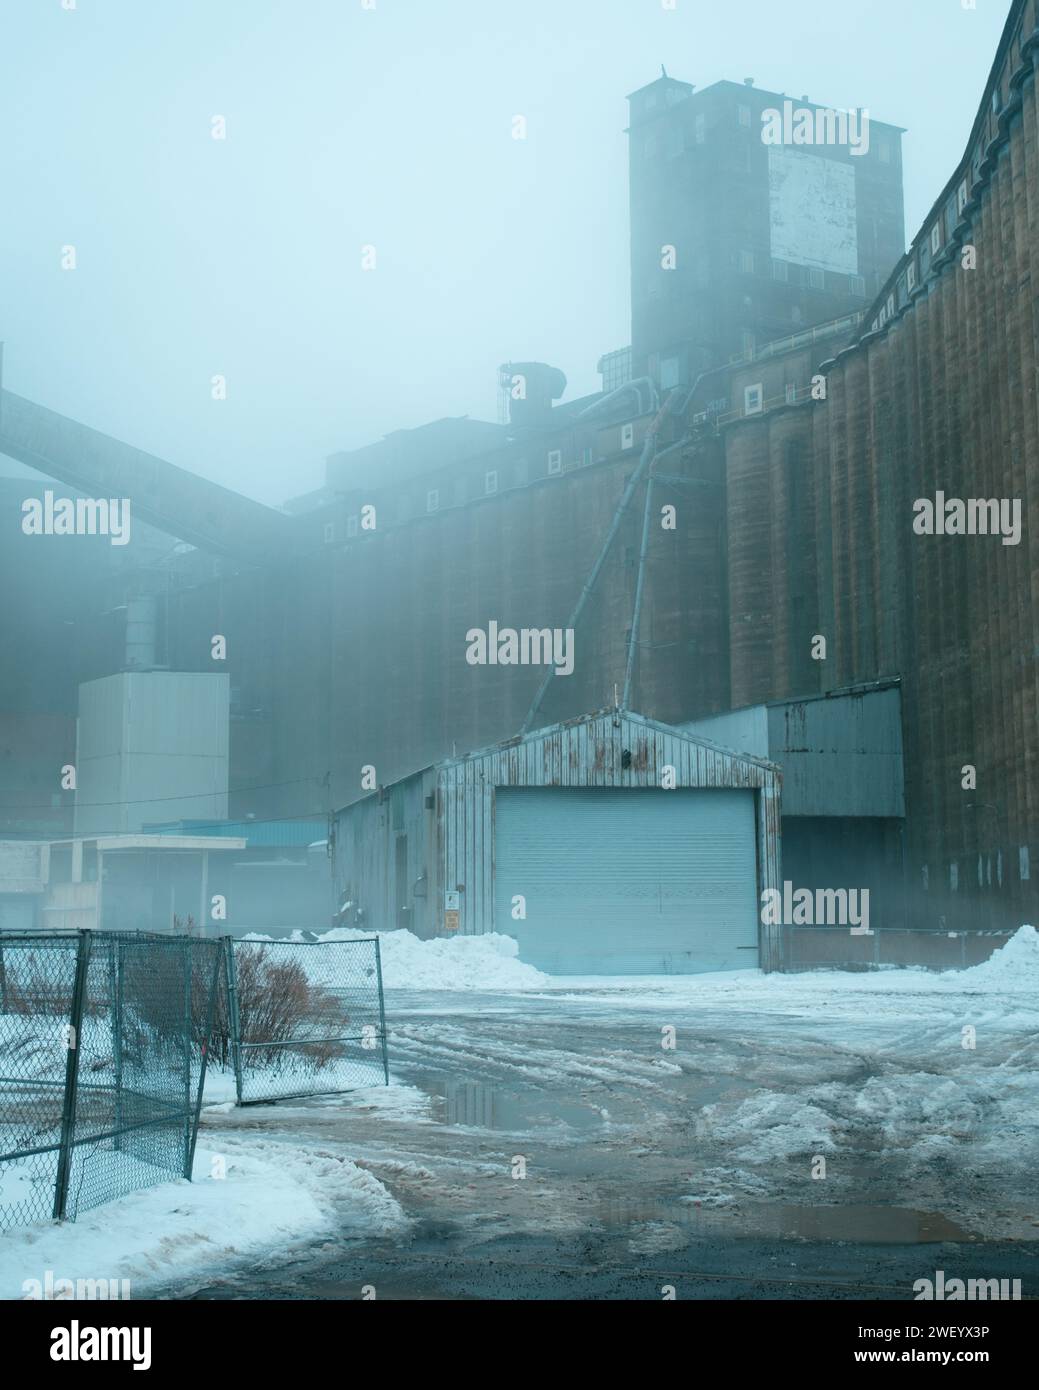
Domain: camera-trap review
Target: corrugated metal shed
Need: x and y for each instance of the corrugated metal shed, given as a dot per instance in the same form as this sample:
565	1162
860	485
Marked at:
384	855
454	831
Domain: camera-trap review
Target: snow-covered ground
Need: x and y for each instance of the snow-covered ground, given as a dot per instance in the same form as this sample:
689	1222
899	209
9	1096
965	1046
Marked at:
249	1197
919	1089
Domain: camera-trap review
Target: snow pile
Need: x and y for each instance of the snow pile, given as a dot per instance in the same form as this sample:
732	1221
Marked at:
250	1197
488	962
769	1125
1014	966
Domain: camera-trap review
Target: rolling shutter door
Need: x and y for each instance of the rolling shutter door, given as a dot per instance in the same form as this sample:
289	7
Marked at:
628	882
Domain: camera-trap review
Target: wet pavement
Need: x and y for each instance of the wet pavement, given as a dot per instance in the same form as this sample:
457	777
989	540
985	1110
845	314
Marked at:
549	1147
435	1264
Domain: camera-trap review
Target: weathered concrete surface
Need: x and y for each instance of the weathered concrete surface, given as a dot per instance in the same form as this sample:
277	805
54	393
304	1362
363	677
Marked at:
640	1171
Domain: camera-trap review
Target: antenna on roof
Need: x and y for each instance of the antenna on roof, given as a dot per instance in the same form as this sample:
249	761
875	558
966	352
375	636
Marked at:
663	70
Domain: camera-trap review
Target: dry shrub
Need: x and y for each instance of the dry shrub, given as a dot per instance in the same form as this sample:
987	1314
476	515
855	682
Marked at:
37	980
278	1003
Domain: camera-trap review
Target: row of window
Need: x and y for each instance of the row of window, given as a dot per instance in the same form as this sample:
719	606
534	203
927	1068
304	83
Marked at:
435	496
490	487
787	271
984	870
754	397
879	143
671	142
554	464
923	254
936	238
784	272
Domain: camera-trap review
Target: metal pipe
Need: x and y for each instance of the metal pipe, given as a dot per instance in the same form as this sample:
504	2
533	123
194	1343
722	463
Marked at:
633	635
648	449
643	553
649	458
636	386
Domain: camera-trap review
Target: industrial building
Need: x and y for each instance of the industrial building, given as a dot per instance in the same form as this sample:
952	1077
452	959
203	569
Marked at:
113	882
606	845
736	242
786	410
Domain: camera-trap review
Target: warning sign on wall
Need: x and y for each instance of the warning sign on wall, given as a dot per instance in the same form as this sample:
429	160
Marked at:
451	921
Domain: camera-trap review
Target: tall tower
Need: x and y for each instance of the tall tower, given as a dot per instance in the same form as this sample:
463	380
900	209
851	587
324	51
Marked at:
744	231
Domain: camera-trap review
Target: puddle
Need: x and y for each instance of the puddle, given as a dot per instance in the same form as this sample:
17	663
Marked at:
865	1224
862	1223
480	1106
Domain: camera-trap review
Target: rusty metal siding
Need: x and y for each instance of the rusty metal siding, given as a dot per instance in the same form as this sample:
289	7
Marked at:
841	756
363	859
586	753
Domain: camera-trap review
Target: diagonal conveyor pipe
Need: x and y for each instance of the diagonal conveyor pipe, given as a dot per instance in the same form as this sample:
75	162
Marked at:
648	451
636	617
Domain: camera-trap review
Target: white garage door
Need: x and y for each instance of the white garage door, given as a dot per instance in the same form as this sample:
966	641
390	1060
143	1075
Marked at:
628	882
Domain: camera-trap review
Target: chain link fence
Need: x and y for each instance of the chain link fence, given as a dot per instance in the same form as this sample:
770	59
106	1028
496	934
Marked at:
101	1065
303	1018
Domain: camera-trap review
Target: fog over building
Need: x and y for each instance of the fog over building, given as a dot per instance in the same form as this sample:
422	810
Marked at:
795	382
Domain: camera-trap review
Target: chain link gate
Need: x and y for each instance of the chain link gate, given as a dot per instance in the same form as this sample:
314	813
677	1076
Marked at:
102	1065
303	1018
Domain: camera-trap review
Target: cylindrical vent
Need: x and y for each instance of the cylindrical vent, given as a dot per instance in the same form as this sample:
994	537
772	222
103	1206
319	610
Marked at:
530	388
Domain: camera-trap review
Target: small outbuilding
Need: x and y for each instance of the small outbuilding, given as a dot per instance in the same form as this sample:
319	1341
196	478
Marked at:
609	844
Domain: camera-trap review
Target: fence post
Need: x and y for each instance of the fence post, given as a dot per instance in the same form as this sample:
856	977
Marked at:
68	1111
186	961
3	978
207	1038
232	1013
382	1013
115	985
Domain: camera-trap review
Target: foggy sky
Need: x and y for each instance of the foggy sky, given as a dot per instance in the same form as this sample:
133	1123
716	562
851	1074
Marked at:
390	127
